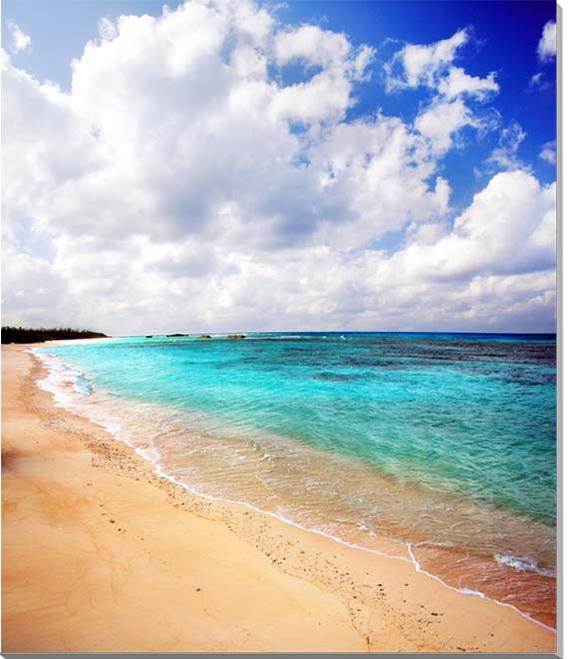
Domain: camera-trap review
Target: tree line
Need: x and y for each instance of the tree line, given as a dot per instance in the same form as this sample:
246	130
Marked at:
40	334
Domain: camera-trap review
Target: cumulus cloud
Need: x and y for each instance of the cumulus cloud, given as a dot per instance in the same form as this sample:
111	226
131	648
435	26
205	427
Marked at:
432	66
442	120
454	91
181	184
508	229
19	40
423	64
547	45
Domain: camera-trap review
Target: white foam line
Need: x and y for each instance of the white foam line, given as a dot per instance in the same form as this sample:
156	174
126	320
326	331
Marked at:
115	432
476	593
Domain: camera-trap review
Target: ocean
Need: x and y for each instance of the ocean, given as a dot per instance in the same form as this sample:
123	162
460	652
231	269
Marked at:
436	448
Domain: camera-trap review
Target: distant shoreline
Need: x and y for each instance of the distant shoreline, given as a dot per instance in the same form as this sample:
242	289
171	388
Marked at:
43	336
20	335
317	333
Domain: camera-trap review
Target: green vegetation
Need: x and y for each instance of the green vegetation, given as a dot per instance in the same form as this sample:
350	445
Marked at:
27	335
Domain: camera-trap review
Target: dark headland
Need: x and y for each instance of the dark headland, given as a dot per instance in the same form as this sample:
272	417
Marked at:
41	334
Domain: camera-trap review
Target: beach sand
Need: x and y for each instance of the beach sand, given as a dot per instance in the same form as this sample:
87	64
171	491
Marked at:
100	554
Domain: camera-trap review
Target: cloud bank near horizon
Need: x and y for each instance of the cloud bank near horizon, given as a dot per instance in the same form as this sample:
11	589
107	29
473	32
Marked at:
205	173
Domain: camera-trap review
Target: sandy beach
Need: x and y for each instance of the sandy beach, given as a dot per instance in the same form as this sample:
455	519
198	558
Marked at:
101	554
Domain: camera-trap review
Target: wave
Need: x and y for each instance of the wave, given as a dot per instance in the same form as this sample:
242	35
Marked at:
62	381
524	565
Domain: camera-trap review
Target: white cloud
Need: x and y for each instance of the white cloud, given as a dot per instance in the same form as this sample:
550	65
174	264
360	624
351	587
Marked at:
508	229
107	29
20	41
548	152
547	45
326	95
505	156
32	289
454	92
442	120
423	65
432	66
181	185
311	44
457	82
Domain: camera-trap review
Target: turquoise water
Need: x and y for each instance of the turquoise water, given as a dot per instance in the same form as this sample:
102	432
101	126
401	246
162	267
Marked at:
318	427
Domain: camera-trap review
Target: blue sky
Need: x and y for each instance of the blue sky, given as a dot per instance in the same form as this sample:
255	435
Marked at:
503	131
506	35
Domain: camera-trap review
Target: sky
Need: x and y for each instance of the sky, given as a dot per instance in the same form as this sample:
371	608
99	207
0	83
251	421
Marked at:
223	166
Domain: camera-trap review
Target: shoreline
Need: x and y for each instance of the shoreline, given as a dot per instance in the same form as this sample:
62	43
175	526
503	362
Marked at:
360	600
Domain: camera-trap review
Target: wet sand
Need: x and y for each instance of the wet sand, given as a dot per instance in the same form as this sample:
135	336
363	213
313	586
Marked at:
101	554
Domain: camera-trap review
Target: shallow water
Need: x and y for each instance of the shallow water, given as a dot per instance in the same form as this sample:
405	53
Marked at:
444	442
